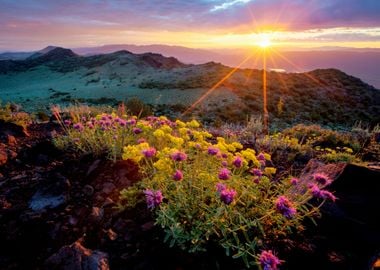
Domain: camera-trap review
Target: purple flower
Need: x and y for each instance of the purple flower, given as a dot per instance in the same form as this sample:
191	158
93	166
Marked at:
178	175
122	122
137	130
153	198
131	122
212	150
220	187
321	178
257	172
104	118
90	125
327	195
150	152
227	195
224	174
294	181
268	260
67	122
321	194
285	207
237	162
315	191
261	157
178	156
78	126
224	163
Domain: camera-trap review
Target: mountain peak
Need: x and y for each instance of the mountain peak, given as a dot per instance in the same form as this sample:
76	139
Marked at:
53	54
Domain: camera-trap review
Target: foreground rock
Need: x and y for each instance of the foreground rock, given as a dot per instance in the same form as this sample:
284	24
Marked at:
347	236
77	257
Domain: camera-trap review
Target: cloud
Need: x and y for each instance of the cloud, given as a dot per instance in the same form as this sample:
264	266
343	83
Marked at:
228	4
23	20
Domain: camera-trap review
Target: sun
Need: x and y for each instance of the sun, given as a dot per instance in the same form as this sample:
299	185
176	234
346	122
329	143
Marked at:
264	42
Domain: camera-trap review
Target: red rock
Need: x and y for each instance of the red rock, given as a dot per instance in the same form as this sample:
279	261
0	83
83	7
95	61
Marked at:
12	140
3	157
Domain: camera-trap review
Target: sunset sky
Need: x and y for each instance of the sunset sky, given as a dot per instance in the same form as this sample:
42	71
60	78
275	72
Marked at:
33	24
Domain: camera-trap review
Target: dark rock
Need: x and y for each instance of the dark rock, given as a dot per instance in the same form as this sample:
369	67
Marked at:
347	235
77	257
108	187
51	196
93	167
108	202
147	226
97	214
88	190
7	128
12	154
41	201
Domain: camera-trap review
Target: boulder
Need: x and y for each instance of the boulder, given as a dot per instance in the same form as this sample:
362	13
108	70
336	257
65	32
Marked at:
77	257
50	195
349	226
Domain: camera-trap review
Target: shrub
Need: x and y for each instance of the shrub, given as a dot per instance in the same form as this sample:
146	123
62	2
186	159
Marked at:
199	192
10	113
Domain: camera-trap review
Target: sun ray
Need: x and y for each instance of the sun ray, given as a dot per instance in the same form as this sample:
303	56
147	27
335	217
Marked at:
191	108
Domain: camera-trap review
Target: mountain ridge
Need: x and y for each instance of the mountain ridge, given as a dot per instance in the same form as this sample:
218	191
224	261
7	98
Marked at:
61	76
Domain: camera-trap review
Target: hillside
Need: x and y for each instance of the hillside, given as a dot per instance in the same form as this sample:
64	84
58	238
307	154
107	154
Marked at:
58	75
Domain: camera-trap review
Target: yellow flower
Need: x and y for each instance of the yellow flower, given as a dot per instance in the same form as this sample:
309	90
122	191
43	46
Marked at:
193	124
178	142
164	165
159	133
166	129
270	170
267	156
132	152
180	124
183	132
237	145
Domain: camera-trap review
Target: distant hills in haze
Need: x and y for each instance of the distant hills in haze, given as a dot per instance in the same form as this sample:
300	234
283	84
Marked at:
57	75
362	63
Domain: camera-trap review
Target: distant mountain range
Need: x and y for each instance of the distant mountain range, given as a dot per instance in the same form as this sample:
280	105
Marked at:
362	63
57	75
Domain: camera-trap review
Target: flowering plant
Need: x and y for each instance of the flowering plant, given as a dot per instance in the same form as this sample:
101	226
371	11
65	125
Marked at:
202	189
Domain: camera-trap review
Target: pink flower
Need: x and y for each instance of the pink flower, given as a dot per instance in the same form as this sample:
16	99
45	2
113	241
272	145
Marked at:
268	260
227	195
212	150
153	198
294	181
178	175
137	130
224	174
261	157
178	156
321	178
285	207
257	172
78	126
237	162
150	152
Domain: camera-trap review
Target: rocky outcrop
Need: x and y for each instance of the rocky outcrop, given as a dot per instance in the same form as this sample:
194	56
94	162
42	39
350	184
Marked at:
77	257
